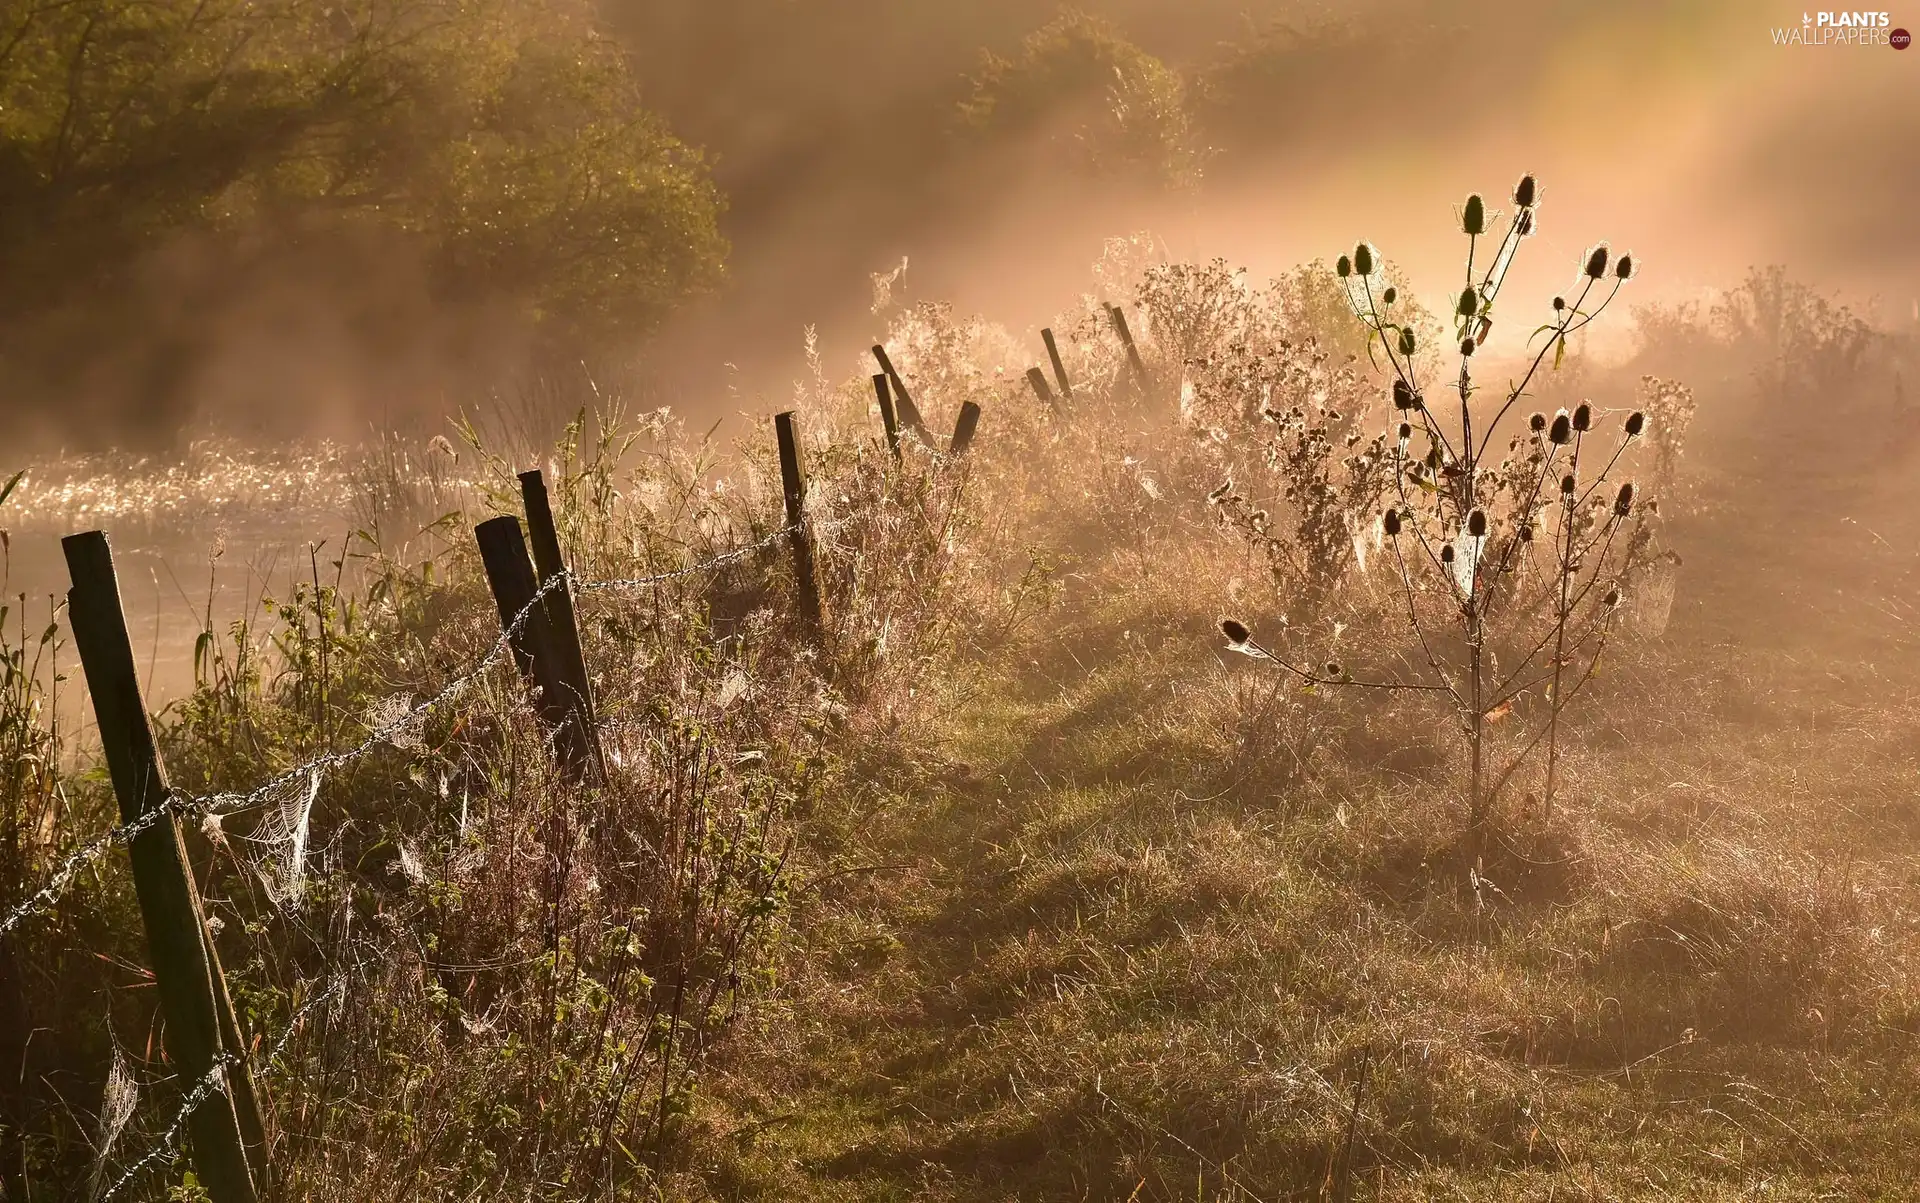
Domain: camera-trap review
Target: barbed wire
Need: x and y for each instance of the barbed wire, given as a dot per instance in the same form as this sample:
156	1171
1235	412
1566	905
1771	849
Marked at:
180	803
721	560
213	1083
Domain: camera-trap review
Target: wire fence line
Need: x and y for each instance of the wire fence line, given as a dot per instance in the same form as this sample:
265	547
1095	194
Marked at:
214	1082
181	803
720	561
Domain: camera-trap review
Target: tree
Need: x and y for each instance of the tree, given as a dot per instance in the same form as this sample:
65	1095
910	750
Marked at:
1121	109
501	142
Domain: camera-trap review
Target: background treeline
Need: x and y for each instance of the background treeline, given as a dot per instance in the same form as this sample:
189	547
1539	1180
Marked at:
276	211
396	158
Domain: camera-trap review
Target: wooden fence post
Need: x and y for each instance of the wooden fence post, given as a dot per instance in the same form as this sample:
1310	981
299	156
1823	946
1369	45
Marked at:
1133	353
1059	369
903	400
793	487
964	428
562	622
888	418
503	550
227	1129
1037	379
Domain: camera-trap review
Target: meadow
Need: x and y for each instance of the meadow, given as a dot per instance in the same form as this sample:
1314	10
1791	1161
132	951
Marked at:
1177	800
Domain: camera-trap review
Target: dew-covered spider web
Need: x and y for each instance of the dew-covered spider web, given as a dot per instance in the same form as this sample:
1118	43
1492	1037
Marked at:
118	1100
281	836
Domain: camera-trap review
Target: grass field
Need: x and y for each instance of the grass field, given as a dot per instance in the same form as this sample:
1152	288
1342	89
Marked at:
1020	883
1139	929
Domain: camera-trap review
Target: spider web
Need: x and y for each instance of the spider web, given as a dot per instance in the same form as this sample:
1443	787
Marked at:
282	835
117	1103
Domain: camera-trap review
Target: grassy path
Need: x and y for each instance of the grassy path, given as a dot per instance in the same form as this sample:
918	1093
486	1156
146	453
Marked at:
1120	942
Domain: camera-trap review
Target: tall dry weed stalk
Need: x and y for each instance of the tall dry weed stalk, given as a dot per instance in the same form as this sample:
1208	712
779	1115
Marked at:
1511	543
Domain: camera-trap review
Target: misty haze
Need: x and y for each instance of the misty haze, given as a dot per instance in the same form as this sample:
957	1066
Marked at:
824	599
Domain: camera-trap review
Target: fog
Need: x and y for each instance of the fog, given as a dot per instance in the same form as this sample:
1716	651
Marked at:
1680	131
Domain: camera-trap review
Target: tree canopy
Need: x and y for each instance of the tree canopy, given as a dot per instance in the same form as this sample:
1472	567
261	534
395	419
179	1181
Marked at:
503	142
1118	107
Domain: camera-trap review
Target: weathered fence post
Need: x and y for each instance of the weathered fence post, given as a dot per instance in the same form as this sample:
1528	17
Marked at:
1133	353
887	417
562	622
1059	369
903	400
227	1128
793	487
1037	379
964	428
503	550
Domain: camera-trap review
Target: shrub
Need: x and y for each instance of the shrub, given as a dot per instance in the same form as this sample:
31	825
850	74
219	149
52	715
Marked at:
1800	342
1509	582
1109	106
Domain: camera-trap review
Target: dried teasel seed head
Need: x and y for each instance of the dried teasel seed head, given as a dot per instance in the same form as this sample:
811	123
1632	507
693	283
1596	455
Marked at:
1583	417
1525	534
1363	260
1525	192
1391	295
1403	395
1567	483
1333	669
1446	553
1613	596
1559	304
1343	267
1537	423
1623	502
1236	632
1467	346
1624	268
1562	431
1477	524
1469	303
1474	220
1597	262
1407	342
1406	431
1390	522
1636	422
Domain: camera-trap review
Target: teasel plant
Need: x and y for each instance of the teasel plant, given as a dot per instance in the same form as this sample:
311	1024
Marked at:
1510	550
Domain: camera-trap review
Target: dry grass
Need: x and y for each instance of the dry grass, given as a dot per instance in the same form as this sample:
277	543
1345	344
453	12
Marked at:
1148	925
1063	899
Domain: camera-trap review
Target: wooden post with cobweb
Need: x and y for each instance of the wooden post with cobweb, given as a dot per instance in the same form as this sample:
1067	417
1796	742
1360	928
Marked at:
562	622
523	619
793	490
1059	368
964	428
227	1130
888	418
908	412
1135	364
